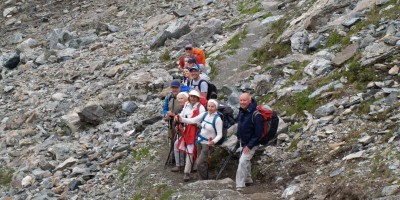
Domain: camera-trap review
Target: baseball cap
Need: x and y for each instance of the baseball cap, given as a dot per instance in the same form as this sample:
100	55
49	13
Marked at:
175	83
191	60
189	46
194	68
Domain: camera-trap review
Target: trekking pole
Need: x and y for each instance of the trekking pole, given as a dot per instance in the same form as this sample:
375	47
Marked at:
209	156
227	159
170	151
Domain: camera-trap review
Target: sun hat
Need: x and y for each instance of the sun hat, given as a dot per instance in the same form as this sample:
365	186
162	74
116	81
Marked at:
194	93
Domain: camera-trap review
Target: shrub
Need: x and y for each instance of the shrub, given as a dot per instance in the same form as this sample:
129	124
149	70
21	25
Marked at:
270	51
165	56
333	39
6	174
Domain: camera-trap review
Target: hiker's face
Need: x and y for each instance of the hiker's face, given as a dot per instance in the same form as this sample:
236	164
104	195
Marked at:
175	90
244	101
186	73
193	99
211	108
195	74
188	51
182	100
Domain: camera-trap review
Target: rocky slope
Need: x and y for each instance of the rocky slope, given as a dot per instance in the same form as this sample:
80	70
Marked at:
82	86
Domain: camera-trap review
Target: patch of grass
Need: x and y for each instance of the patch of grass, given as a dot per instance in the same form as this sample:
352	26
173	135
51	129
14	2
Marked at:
124	168
266	15
333	39
6	174
165	56
234	43
249	7
278	27
299	67
165	191
214	70
296	127
144	60
269	52
139	154
293	145
384	115
302	102
358	74
387	136
364	107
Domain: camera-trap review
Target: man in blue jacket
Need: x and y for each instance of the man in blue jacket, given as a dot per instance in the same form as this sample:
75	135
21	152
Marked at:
248	135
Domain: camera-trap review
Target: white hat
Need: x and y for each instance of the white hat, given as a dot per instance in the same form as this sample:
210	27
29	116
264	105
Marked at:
214	102
194	93
185	94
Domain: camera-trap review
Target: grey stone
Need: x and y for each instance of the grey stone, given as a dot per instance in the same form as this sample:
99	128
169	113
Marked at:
74	184
67	163
15	38
200	33
317	67
391	29
175	29
374	53
391	40
390	90
366	41
121	148
12	61
65	54
390	190
129	107
325	110
345	54
336	172
381	2
8	88
9	11
315	44
58	36
82	41
299	42
394	70
350	22
271	19
91	114
182	12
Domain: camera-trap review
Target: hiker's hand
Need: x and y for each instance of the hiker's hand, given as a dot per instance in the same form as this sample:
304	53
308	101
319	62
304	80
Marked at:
246	150
176	118
210	143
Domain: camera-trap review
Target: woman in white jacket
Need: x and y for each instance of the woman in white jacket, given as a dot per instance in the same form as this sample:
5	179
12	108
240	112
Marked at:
211	133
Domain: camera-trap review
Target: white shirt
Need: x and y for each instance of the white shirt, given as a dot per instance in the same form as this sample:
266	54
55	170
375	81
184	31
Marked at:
207	130
187	111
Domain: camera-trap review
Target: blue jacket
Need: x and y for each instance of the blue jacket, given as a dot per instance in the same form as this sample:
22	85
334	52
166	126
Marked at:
248	132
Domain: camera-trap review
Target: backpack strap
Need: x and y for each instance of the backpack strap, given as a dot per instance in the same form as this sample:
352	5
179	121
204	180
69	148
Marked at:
202	138
255	113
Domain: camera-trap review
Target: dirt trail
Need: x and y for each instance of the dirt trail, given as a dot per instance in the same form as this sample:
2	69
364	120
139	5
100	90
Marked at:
255	38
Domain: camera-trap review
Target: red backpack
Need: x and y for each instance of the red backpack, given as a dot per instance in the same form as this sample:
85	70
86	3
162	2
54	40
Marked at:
270	123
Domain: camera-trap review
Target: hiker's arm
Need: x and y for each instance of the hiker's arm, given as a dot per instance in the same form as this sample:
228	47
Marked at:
203	89
258	129
165	108
218	126
193	120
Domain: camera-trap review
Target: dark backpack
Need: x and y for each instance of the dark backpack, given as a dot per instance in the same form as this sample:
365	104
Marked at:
271	123
212	89
226	114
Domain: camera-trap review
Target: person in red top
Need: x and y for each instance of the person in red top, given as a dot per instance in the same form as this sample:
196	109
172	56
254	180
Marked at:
188	54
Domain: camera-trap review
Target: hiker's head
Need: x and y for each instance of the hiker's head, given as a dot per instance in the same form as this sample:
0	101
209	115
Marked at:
186	73
212	106
195	72
189	49
182	98
175	86
245	100
194	96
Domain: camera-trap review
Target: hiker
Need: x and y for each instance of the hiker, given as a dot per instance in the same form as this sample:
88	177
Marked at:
172	108
192	63
190	52
186	77
195	82
182	98
208	135
248	134
186	143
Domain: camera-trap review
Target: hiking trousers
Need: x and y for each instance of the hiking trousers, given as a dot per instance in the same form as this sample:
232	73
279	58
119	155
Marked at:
243	173
202	161
179	155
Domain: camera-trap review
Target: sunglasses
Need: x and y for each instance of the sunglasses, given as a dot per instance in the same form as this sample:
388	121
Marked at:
188	48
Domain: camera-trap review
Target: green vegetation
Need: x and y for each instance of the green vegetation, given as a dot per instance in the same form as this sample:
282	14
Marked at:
364	107
333	39
250	7
299	67
387	136
266	15
270	51
165	56
359	75
214	70
234	43
383	115
278	27
293	145
5	176
162	192
144	60
137	154
296	127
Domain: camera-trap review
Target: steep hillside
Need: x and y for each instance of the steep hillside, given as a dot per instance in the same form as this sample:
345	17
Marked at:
82	85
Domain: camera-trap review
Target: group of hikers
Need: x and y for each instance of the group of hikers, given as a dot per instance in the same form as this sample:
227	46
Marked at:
196	126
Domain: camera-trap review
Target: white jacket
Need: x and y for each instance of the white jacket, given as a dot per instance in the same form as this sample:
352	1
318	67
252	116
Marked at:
207	130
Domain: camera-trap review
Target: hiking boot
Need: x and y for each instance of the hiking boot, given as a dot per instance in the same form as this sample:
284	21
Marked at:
186	177
177	169
239	189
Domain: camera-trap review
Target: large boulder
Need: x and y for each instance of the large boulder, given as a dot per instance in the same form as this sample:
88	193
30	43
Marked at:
92	114
175	29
